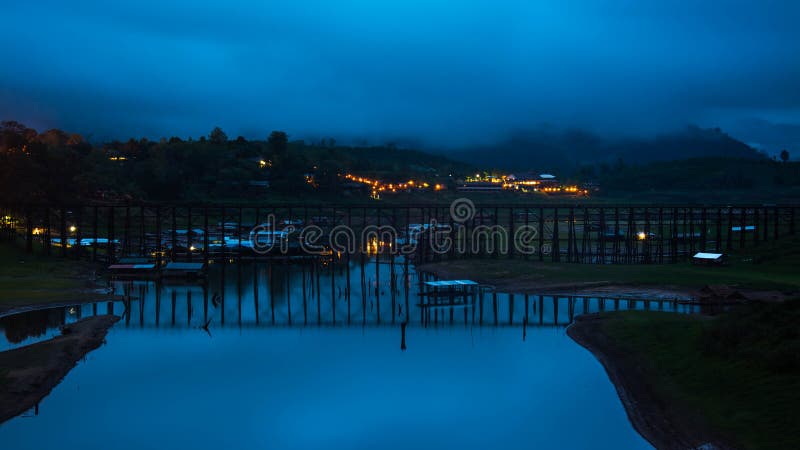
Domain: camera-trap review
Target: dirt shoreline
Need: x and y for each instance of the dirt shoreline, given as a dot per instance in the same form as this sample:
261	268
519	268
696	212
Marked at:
28	374
579	288
664	425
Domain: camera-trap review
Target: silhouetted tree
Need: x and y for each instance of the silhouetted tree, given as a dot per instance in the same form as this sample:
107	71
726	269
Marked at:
218	136
784	155
278	142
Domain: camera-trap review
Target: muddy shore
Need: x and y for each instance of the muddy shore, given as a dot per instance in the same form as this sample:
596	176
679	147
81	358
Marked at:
663	424
28	374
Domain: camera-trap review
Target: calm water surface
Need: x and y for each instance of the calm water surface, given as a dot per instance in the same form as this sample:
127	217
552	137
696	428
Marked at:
292	361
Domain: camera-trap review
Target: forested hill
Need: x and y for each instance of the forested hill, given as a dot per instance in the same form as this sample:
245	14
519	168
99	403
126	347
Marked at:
563	150
56	166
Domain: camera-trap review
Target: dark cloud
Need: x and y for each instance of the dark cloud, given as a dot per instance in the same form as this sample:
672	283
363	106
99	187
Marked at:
449	73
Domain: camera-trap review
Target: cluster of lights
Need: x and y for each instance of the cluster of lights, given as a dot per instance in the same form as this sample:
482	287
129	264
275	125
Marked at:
510	182
117	158
379	186
567	189
263	164
37	231
487	179
374	246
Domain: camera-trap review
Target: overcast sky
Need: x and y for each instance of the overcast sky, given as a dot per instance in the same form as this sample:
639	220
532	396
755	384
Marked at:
447	72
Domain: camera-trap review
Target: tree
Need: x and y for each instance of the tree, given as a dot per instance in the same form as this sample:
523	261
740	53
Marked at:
278	142
218	136
784	155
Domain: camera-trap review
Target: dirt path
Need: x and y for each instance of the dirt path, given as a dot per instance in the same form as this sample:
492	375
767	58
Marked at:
28	374
661	423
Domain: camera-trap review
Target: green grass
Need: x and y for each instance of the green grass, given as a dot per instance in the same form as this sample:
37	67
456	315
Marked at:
771	265
32	279
740	372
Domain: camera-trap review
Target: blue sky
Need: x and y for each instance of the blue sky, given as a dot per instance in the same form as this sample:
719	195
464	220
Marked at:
448	73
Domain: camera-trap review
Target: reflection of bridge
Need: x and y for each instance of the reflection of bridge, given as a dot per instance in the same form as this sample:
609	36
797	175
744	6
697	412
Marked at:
358	294
365	294
500	310
573	233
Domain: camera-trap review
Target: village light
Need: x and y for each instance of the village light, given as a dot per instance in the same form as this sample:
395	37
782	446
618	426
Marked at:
73	229
641	235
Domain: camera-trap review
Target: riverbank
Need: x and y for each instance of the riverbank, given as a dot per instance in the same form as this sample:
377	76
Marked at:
28	374
34	281
769	268
686	380
766	272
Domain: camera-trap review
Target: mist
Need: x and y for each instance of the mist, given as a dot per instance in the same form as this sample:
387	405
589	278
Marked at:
436	73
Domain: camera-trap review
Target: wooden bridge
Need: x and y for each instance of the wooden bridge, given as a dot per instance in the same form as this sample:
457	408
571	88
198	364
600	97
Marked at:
591	233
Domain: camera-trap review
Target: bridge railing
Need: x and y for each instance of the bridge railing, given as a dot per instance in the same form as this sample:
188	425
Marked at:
602	234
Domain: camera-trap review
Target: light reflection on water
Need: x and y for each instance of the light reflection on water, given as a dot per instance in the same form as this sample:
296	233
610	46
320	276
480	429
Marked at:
292	361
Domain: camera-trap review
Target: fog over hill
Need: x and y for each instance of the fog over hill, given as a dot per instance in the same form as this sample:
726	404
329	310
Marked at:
550	148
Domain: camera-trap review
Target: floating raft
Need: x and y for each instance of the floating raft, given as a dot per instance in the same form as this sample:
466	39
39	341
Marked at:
133	270
184	270
449	293
450	283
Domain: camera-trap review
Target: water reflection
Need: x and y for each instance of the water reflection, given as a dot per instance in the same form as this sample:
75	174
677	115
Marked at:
371	293
306	356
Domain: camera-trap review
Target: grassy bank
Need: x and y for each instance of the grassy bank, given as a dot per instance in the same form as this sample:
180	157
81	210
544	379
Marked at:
738	374
772	265
35	279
